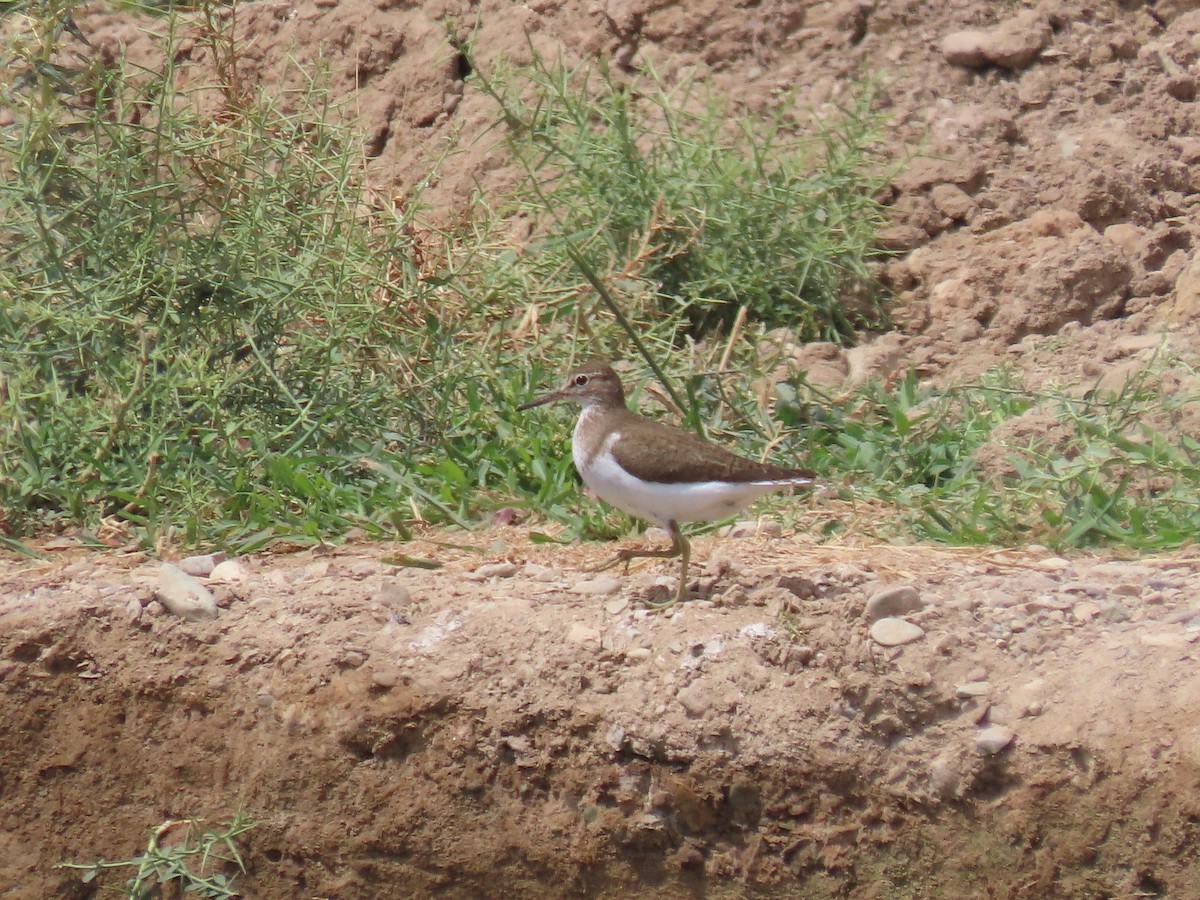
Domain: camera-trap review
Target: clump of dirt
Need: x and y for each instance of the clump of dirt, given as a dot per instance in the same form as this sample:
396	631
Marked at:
529	730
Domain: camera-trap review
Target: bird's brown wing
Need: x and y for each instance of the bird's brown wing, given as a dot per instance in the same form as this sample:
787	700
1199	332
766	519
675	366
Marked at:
664	454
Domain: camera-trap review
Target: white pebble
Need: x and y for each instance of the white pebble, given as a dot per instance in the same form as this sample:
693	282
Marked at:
893	632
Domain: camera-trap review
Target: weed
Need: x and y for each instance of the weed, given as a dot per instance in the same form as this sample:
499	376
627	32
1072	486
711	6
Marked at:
194	863
656	189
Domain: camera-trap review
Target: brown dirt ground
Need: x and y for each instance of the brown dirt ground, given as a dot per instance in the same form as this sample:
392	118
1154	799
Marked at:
498	732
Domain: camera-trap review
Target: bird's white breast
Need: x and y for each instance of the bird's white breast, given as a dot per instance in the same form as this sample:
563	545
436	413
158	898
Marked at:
656	501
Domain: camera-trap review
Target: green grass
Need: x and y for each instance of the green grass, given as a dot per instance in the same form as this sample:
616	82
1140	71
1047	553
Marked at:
697	211
198	863
214	333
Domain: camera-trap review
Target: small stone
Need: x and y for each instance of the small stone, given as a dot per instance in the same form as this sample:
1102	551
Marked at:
993	739
751	528
901	238
802	588
973	689
228	571
694	700
393	595
965	49
1017	42
488	571
894	632
952	201
616	606
1115	612
385	679
1182	87
133	611
1165	640
579	633
893	601
1084	611
638	653
945	776
184	596
605	584
201	566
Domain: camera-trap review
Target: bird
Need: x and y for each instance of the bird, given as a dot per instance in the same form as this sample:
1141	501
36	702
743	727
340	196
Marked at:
653	470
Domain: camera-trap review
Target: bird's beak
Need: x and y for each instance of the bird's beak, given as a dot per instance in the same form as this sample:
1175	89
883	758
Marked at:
545	398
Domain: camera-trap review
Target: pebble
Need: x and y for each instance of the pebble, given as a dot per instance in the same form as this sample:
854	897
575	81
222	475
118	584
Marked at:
393	595
133	611
973	689
993	739
605	584
616	606
893	632
945	776
229	570
694	700
1015	43
1084	611
579	633
893	601
201	566
183	595
1168	640
386	679
750	528
493	570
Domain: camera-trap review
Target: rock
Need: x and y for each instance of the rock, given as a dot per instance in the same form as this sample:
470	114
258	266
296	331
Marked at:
488	571
1165	640
393	595
1182	87
945	776
183	595
799	586
616	606
952	202
750	528
965	49
605	584
993	739
1017	42
1113	612
973	689
133	611
893	601
901	238
893	632
1084	611
579	633
695	700
201	566
228	571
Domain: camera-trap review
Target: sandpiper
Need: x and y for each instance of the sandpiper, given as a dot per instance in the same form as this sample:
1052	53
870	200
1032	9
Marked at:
653	470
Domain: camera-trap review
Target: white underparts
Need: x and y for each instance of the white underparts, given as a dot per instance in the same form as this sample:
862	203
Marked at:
660	502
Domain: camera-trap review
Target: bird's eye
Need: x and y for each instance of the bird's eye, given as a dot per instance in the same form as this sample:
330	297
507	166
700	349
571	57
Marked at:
580	380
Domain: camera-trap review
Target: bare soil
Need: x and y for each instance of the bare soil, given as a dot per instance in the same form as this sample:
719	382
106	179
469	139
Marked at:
512	726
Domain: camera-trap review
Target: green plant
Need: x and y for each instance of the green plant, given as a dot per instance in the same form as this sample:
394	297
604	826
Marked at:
195	863
201	334
658	190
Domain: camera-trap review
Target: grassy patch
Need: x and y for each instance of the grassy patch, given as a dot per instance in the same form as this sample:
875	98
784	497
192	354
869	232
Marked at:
215	333
181	857
693	209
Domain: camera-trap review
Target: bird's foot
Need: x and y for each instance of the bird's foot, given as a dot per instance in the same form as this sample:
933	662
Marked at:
622	558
